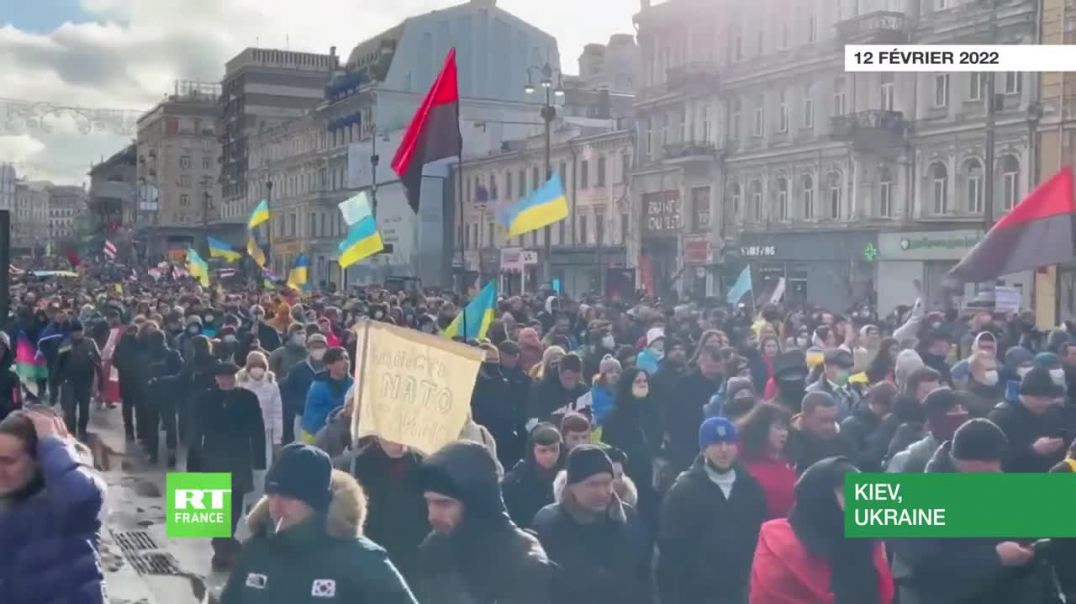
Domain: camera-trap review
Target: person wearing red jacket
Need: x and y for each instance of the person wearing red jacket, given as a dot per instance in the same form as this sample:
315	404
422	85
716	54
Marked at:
805	559
763	435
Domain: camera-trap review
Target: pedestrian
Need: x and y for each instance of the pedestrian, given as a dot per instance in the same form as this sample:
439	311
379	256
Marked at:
815	434
836	369
161	368
227	435
806	557
528	487
763	443
50	514
1064	550
1030	424
634	428
710	522
597	541
862	430
396	518
326	393
256	377
292	352
78	370
558	391
296	383
308	542
945	412
196	378
492	405
475	552
683	411
10	386
575	429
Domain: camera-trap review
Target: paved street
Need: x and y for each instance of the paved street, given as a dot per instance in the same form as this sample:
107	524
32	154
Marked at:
142	565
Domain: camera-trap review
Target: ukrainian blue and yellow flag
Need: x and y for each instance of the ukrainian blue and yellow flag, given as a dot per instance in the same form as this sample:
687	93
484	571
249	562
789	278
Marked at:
220	249
300	273
476	316
363	240
544	207
254	251
260	215
197	267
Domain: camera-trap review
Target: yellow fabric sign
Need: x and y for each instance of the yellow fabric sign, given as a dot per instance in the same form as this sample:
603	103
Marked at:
412	388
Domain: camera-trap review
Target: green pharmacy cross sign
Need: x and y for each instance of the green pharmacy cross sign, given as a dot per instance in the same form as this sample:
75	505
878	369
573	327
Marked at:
870	252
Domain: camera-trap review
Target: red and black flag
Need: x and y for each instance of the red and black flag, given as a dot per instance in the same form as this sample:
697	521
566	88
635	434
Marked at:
1039	231
434	132
73	258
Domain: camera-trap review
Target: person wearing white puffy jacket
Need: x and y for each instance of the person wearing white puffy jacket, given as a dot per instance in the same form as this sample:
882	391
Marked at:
257	378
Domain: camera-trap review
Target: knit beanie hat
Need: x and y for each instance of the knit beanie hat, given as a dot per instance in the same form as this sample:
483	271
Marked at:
1038	382
653	334
1047	360
609	363
303	472
907	362
979	440
587	460
716	430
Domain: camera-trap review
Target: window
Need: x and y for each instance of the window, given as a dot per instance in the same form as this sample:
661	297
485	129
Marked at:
700	209
756	201
599	225
560	232
185	162
601	171
312	224
206	162
185	180
737	198
781	202
885	193
324	226
941	4
491	234
812	28
582	230
584	174
522	192
649	137
839	97
975	86
623	227
535	179
1010	181
808	107
808	198
887	90
508	183
184	200
704	124
1012	82
625	167
292	225
759	123
973	169
664	139
939	187
734	119
941	90
493	187
834	195
782	111
563	173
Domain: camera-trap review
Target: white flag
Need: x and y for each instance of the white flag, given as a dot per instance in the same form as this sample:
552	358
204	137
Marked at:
355	208
778	292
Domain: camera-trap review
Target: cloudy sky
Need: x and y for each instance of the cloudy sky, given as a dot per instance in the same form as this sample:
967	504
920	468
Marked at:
125	54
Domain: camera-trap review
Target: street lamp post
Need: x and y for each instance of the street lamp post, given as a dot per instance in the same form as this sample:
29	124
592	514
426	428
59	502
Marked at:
548	114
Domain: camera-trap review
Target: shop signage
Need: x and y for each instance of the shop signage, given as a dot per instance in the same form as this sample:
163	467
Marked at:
514	259
698	250
870	252
927	245
530	257
943	242
758	251
662	213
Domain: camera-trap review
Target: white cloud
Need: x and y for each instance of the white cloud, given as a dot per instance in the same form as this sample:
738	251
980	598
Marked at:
130	53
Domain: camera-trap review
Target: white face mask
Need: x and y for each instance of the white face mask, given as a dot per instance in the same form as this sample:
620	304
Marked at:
608	341
1022	371
1058	375
317	354
256	372
990	378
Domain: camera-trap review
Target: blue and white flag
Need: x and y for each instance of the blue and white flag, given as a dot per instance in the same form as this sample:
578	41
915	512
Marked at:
741	287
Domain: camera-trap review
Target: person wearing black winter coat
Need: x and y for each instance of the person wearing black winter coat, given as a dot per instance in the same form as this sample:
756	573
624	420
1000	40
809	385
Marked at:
862	430
528	487
492	406
396	517
558	391
158	366
683	414
632	426
1032	418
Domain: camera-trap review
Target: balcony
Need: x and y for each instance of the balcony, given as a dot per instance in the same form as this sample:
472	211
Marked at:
689	151
878	27
695	73
871	130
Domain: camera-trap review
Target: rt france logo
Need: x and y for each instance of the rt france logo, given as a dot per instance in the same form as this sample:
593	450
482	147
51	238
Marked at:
199	505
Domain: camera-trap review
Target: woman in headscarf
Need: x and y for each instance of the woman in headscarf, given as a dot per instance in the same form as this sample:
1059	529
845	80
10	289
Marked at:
633	427
807	558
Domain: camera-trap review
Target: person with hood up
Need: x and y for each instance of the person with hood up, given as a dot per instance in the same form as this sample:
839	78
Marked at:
862	430
651	356
227	435
308	541
603	389
291	353
1030	424
600	344
806	557
789	380
50	513
389	473
945	412
634	428
558	392
326	393
979	571
528	487
600	548
256	378
710	521
905	424
297	380
492	405
984	382
475	554
530	349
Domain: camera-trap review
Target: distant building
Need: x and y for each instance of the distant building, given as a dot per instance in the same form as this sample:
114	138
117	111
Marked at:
8	177
115	197
610	66
65	205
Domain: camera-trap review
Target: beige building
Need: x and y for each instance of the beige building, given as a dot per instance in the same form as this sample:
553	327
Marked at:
179	158
31	217
753	141
65	205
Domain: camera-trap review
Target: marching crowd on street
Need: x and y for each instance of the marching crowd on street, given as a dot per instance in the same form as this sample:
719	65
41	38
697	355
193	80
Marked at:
630	452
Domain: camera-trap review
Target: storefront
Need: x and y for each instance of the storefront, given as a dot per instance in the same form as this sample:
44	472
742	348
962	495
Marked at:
699	278
928	256
578	270
662	227
833	270
519	271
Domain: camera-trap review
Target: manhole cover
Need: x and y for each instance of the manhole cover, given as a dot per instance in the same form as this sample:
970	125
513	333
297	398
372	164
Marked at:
154	563
133	541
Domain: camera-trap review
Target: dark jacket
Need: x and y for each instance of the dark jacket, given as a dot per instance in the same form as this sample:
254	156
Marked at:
325	559
227	435
1063	551
1022	428
78	363
867	441
804	448
549	399
601	562
527	488
296	384
683	416
495	405
397	518
486	559
50	533
706	541
903	426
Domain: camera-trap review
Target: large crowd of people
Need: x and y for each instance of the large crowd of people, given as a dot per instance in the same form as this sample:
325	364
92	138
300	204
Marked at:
639	451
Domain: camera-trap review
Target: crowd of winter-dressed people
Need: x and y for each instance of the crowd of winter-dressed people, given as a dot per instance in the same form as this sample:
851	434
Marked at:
627	452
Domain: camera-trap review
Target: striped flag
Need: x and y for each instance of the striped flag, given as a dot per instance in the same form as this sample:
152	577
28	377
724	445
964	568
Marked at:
110	249
226	273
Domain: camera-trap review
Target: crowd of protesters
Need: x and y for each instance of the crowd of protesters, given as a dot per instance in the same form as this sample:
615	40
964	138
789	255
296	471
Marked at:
628	452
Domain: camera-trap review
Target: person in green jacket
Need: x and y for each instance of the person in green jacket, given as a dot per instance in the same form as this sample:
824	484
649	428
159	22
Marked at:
307	543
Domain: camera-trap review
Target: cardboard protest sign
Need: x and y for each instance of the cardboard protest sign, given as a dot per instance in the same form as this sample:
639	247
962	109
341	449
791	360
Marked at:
412	388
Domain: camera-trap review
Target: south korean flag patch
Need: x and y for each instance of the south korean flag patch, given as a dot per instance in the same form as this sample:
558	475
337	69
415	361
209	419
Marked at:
323	588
